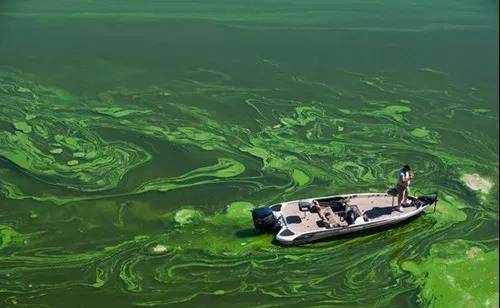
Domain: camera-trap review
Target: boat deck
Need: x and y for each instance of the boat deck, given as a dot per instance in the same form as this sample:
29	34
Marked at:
376	207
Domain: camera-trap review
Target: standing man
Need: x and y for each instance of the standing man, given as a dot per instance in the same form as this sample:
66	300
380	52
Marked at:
404	177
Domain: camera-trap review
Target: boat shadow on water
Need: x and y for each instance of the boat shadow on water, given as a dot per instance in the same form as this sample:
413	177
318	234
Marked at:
247	233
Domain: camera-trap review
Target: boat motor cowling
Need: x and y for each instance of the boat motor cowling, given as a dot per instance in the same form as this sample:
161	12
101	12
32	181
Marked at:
264	219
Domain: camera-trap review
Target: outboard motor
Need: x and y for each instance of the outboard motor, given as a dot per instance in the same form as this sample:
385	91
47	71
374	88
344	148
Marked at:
264	220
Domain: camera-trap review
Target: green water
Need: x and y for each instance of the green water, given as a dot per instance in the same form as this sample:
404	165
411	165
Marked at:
135	138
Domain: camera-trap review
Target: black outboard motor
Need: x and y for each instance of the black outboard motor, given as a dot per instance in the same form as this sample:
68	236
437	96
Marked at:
264	220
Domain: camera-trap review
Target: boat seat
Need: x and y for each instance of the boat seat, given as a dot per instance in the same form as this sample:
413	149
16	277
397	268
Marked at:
293	219
304	206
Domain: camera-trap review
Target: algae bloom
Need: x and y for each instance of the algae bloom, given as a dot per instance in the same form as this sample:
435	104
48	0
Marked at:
159	249
476	182
457	274
186	216
10	237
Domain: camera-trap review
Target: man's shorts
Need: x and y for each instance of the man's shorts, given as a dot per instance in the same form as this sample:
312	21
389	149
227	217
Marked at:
401	188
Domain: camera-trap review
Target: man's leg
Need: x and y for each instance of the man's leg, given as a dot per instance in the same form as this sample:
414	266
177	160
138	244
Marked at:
405	195
400	197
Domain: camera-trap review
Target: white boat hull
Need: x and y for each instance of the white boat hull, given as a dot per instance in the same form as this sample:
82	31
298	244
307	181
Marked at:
304	227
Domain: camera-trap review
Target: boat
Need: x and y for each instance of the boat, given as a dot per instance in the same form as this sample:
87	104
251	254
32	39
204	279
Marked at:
308	220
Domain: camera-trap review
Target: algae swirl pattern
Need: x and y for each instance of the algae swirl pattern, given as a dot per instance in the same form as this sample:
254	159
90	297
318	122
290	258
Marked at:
295	138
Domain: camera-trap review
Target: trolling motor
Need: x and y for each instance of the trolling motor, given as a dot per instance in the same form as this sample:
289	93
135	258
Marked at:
429	200
435	201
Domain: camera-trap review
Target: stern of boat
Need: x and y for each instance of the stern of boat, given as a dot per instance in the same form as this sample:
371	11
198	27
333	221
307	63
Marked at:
267	218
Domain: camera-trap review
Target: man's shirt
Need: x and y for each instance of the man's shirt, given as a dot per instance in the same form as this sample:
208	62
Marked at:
403	177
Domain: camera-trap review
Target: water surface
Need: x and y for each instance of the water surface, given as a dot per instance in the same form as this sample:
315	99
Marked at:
136	137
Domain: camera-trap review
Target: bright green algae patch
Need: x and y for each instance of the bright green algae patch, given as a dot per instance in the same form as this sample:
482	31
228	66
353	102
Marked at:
300	177
186	216
457	273
10	237
396	112
420	132
449	210
225	168
218	232
23	126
